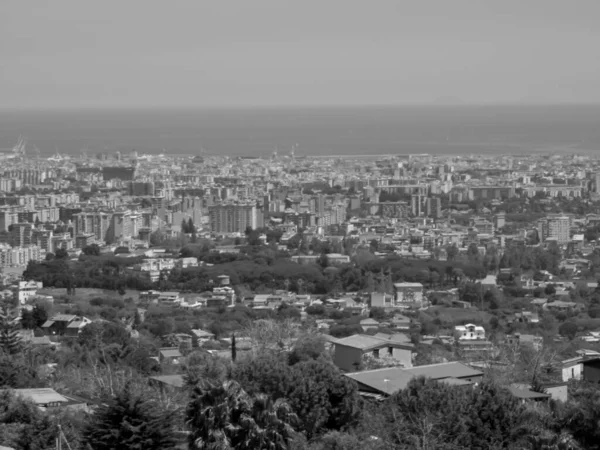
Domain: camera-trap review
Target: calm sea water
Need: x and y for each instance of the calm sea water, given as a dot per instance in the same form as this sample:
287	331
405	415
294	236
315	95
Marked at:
320	131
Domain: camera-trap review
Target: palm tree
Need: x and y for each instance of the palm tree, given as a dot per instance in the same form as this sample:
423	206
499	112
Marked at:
212	414
10	340
224	417
270	425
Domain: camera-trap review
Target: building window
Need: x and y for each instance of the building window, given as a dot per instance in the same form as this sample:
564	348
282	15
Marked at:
390	351
572	372
376	353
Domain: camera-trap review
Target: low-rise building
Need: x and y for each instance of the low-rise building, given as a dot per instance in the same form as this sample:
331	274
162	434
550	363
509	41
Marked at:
68	325
349	351
385	382
469	332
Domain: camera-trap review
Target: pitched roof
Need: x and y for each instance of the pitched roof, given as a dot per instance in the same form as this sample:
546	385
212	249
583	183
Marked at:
41	396
444	370
392	379
366	342
170	352
527	394
170	380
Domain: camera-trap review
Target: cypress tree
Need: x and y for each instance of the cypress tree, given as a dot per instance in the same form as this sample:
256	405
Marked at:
233	348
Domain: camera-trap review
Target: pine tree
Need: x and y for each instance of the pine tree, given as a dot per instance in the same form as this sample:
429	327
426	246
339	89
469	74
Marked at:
10	340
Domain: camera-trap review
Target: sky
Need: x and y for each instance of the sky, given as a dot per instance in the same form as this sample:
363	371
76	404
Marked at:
226	53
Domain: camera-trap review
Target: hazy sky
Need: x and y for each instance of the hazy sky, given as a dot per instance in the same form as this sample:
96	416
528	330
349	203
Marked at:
139	53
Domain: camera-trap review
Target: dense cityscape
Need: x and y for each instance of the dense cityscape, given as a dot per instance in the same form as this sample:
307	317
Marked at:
373	302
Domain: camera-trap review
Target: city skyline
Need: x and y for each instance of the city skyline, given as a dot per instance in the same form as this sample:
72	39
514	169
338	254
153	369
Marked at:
138	55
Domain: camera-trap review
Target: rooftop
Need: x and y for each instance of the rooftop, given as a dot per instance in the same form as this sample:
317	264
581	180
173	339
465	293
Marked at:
392	379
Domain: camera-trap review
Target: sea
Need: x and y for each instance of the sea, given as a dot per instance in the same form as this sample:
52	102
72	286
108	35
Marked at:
319	131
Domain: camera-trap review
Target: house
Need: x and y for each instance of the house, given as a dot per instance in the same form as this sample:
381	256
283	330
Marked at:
396	337
203	336
65	325
149	297
384	382
27	290
382	300
469	332
591	336
560	306
489	283
184	263
527	317
170	355
46	398
169	299
518	339
349	351
400	322
409	294
572	368
525	394
539	302
369	324
591	370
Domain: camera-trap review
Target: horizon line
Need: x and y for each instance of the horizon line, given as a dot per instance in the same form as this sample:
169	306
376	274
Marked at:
63	109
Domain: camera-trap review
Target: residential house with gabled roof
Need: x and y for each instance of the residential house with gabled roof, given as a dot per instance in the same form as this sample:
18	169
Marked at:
349	351
387	381
170	355
65	325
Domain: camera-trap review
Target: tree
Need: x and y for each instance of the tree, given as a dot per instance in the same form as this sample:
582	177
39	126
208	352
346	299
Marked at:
10	340
307	347
27	320
550	290
451	252
91	250
61	253
322	397
129	421
233	348
428	414
224	416
23	425
568	329
40	315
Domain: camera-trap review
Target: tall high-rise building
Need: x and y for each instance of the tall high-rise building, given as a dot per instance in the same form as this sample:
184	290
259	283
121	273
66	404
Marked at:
434	207
415	205
232	217
95	222
8	217
499	220
597	182
21	234
555	228
558	228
